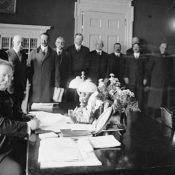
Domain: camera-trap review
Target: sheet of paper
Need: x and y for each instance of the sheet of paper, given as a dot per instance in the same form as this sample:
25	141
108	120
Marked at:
52	121
63	152
48	135
104	141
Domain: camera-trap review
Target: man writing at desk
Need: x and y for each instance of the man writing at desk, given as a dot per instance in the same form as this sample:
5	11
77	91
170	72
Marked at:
10	128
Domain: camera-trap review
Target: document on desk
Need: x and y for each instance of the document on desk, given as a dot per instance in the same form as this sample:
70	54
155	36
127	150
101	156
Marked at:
52	121
107	141
44	106
64	152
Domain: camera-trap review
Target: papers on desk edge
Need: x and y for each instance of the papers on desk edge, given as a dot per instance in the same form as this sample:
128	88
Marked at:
44	106
66	152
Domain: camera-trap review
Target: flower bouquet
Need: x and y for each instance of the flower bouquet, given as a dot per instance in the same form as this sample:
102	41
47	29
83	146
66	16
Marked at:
111	93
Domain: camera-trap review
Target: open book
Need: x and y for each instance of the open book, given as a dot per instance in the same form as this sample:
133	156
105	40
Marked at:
77	130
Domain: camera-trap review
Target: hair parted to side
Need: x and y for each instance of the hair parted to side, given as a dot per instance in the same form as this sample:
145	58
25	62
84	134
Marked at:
79	34
45	33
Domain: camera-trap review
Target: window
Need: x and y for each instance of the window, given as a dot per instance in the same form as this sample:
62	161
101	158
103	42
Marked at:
30	33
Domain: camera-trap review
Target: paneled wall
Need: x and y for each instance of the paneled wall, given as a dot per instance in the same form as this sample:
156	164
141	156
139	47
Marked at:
151	18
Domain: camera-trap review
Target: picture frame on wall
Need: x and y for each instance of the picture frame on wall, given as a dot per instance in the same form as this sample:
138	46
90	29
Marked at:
8	6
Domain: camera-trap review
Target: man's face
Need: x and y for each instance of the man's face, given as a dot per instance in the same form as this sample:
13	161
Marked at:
59	43
163	48
117	48
99	45
44	40
18	43
136	48
6	76
78	40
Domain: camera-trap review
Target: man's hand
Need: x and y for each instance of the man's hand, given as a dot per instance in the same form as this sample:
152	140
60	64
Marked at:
126	80
34	124
144	82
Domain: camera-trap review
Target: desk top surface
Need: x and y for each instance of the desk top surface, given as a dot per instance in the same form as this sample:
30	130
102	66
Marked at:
146	145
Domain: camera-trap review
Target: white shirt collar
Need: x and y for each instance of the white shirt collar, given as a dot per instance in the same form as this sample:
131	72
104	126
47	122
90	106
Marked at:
59	51
44	49
17	51
77	47
136	55
117	54
99	51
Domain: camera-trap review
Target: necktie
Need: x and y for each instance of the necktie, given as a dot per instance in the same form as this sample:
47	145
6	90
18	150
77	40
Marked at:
59	53
19	55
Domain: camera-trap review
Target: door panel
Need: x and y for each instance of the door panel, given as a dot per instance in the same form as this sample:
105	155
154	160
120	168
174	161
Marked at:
110	27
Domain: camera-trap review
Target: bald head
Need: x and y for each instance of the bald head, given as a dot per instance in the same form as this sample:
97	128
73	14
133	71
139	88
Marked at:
99	44
135	39
18	42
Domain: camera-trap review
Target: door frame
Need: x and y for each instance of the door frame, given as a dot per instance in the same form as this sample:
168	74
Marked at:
111	6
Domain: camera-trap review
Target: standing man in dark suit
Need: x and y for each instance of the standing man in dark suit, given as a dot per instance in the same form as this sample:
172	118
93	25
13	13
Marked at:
161	68
79	56
18	59
136	73
116	63
45	76
99	62
64	63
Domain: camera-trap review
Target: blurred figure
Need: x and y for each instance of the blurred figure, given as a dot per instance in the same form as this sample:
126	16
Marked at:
136	73
18	58
79	56
44	70
11	129
99	62
116	63
160	66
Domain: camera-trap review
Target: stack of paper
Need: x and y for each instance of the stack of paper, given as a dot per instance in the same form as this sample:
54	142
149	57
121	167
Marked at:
52	121
44	106
63	152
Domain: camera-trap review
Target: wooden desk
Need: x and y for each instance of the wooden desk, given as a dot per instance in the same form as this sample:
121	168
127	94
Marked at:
147	149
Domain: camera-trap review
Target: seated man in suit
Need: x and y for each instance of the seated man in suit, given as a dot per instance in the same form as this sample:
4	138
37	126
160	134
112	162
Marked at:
9	127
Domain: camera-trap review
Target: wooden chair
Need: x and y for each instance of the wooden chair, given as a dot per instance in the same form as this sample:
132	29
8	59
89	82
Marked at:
168	118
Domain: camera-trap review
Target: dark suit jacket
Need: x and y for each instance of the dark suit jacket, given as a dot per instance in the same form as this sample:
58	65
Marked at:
116	65
161	68
79	60
3	55
45	75
8	126
136	70
20	71
98	66
65	68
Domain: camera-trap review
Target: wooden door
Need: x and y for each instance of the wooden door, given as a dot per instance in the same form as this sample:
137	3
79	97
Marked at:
110	20
109	27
